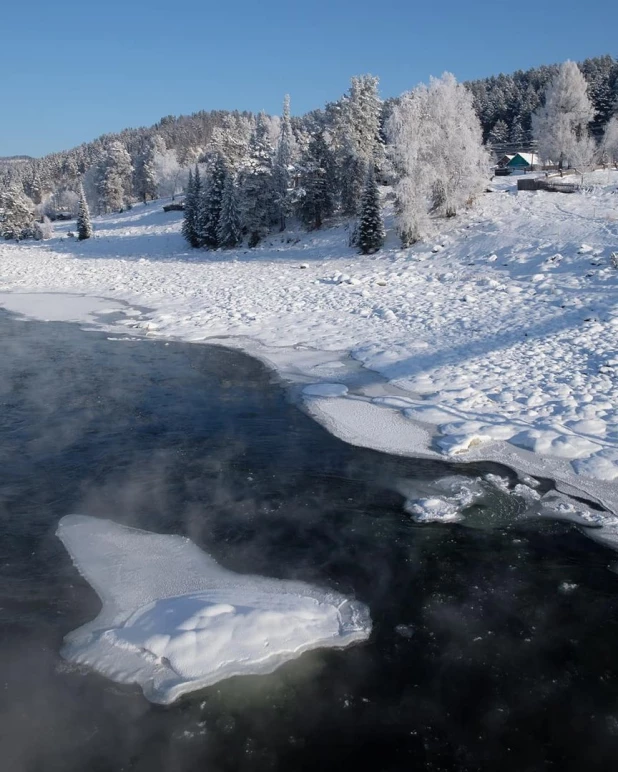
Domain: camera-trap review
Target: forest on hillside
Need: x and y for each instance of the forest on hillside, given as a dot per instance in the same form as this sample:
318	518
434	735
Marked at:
433	146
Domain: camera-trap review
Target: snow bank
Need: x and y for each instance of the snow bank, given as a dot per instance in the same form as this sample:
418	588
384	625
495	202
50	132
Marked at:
500	346
174	621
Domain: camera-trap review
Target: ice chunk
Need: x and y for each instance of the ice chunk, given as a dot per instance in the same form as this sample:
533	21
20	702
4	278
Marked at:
434	510
458	494
325	390
173	620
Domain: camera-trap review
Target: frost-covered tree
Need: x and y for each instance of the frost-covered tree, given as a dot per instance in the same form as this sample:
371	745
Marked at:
43	229
16	214
407	128
190	223
62	201
286	153
370	235
229	231
84	224
498	137
358	138
210	204
437	153
231	139
561	123
517	135
609	146
257	185
316	193
171	178
115	178
146	172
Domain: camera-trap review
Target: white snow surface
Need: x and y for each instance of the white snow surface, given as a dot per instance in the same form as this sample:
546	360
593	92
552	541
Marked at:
500	345
174	621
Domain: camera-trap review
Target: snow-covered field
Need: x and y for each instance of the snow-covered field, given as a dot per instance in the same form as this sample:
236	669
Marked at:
496	340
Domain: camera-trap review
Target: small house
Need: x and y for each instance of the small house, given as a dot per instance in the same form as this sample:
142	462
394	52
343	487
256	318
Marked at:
504	161
524	162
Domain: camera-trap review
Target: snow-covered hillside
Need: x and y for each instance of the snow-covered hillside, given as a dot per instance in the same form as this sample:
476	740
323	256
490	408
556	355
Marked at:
500	334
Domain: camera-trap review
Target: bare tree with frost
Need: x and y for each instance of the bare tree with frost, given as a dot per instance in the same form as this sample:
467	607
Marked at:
437	152
560	125
609	145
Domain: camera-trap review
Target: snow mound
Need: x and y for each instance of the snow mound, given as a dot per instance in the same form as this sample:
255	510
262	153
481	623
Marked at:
174	621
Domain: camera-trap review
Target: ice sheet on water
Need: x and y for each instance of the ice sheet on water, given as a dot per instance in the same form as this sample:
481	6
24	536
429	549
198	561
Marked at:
173	620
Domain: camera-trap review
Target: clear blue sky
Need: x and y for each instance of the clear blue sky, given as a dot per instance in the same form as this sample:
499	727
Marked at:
72	70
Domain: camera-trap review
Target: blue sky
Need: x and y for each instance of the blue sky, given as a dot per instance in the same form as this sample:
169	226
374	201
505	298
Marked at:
74	70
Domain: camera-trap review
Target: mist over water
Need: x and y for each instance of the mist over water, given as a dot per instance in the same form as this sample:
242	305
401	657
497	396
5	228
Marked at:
494	643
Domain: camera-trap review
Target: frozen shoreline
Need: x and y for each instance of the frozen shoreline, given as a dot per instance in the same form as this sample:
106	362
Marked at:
367	414
495	342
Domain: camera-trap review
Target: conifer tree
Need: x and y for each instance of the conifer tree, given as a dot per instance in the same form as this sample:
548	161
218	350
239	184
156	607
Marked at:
229	231
146	182
286	149
498	137
517	136
192	199
210	204
371	227
84	225
359	138
16	214
257	185
115	178
316	188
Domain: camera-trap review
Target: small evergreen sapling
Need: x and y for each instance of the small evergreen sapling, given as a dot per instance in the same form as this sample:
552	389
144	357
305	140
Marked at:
84	225
371	228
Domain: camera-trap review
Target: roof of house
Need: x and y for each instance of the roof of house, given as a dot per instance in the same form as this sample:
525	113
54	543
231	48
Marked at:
529	158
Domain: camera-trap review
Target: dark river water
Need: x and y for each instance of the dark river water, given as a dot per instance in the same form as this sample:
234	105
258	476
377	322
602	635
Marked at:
495	642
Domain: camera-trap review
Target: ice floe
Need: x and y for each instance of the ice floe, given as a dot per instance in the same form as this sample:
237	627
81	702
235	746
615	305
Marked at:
173	620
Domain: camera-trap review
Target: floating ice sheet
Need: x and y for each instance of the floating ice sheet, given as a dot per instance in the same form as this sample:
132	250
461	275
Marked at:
174	621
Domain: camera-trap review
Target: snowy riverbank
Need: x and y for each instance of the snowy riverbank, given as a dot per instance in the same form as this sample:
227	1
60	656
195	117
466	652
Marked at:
496	340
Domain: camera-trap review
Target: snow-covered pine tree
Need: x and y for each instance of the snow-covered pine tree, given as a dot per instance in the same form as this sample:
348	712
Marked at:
316	199
16	214
358	138
286	152
370	227
498	139
146	173
562	121
210	204
192	199
115	178
232	138
257	185
517	135
229	232
84	225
